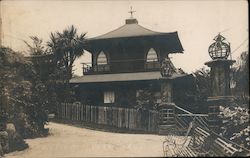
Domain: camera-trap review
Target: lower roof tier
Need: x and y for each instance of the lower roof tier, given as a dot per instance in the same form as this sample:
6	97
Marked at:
120	77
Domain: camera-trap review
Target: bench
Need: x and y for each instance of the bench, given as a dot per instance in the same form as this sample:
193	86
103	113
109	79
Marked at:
203	142
197	146
207	143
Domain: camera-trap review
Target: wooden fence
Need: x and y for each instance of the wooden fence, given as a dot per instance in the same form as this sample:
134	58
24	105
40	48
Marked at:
126	118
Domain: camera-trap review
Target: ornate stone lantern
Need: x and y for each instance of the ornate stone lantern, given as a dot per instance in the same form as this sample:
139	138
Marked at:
220	80
167	106
219	49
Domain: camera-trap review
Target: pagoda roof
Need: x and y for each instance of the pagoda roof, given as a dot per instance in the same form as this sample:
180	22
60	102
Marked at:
130	30
168	40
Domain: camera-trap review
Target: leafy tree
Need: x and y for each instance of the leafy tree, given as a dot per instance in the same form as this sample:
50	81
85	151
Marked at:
44	82
236	116
36	48
241	78
24	93
202	83
191	93
66	47
15	94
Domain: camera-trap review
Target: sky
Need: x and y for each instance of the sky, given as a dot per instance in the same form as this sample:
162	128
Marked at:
197	23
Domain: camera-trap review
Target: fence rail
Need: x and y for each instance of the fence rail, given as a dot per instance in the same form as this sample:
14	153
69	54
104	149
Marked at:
184	117
127	118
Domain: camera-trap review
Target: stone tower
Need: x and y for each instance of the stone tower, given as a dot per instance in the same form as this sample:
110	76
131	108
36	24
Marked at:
220	80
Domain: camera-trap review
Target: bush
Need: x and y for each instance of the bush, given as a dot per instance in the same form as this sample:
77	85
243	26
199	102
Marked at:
236	124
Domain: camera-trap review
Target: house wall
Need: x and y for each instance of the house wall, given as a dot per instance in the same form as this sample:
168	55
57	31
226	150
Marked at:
125	92
128	54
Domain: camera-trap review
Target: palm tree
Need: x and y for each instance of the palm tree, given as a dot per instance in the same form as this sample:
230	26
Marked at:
66	47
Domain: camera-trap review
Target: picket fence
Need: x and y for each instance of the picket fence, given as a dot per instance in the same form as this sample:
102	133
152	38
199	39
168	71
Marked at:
119	117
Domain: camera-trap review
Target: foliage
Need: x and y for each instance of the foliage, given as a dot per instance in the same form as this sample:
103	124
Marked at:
241	78
12	81
146	98
45	77
14	91
66	47
236	117
191	93
202	83
36	48
15	141
236	124
18	93
29	87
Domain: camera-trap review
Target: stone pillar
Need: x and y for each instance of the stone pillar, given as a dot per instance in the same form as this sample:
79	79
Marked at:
167	107
220	91
166	90
220	76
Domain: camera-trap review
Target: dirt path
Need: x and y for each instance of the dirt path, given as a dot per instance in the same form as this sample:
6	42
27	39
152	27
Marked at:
69	141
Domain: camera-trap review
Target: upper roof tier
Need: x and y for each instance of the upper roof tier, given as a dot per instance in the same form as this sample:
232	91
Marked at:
132	29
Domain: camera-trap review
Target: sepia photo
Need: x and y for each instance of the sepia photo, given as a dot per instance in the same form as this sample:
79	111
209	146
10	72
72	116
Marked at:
127	78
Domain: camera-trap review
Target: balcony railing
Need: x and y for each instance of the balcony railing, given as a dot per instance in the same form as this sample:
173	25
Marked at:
102	68
121	66
89	69
153	65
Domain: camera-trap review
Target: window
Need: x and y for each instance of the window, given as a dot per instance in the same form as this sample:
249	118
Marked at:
152	55
109	97
152	60
102	59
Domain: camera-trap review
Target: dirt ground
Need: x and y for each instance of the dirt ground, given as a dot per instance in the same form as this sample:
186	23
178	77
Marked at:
70	141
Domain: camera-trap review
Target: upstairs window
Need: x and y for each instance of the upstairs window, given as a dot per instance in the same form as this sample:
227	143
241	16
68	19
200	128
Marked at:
102	59
152	55
109	97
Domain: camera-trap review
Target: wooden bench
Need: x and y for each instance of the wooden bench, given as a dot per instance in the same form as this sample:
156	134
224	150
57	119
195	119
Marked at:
207	143
197	145
203	142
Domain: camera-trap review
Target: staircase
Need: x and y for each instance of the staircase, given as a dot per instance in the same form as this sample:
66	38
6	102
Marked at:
167	120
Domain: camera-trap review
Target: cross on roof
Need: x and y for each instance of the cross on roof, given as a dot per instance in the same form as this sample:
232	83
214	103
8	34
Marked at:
131	12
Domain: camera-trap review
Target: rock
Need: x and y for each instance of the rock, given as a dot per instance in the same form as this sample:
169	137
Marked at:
16	142
10	128
4	141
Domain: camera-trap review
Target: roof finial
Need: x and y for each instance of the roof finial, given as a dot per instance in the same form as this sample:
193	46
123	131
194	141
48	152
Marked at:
131	12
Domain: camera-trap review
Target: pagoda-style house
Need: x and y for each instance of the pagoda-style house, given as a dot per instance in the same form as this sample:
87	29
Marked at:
125	61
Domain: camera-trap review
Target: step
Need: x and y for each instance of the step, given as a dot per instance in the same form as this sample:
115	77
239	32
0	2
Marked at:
168	118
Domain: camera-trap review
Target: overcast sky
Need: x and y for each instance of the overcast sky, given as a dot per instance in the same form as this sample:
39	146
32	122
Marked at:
197	23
